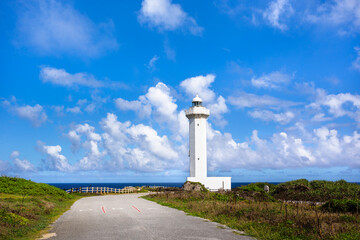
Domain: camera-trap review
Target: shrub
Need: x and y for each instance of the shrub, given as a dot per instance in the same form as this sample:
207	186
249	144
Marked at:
318	190
12	219
342	205
20	186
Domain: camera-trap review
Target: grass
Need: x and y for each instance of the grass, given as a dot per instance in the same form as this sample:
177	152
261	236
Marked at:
276	215
27	207
318	191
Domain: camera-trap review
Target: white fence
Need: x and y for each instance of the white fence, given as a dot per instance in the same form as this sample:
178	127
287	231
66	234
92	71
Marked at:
101	190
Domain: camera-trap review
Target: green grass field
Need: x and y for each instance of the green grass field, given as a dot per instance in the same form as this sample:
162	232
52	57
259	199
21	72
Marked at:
281	213
27	207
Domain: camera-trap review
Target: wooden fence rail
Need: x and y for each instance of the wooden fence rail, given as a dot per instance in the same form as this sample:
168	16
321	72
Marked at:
100	190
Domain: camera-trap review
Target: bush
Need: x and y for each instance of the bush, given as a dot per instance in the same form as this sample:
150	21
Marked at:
20	186
220	197
318	190
253	187
342	205
12	219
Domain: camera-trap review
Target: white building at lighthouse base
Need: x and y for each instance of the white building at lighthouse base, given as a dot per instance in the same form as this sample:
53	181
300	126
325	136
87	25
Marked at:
213	183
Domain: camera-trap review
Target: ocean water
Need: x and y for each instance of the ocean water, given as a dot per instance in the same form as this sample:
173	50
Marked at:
66	186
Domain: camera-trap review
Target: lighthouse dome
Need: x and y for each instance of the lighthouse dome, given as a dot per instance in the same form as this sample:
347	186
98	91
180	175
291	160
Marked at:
197	101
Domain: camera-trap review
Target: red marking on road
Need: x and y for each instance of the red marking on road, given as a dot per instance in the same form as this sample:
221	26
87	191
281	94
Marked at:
136	208
103	209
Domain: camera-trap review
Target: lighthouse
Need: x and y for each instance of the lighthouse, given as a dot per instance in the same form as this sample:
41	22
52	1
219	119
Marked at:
197	115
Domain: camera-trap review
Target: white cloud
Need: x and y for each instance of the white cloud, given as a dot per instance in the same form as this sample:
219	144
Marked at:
65	79
162	101
199	85
167	16
273	80
217	109
157	101
21	165
151	64
75	110
54	159
15	154
338	105
59	110
90	108
148	138
320	117
81	105
137	147
55	28
95	103
183	125
93	157
81	102
342	13
140	107
334	150
265	115
283	150
83	136
356	63
35	114
278	9
249	100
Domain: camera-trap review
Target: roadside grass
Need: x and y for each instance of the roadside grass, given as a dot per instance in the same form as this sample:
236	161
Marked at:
271	216
27	208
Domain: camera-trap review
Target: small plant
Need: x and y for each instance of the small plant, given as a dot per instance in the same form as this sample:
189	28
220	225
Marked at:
12	219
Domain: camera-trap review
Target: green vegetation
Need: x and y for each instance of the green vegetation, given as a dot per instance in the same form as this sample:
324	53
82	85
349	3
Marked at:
317	191
20	186
27	207
298	209
342	206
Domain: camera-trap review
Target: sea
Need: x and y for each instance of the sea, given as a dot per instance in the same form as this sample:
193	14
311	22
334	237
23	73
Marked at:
66	186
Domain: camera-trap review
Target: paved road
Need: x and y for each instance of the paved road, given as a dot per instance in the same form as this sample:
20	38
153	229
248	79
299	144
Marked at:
129	217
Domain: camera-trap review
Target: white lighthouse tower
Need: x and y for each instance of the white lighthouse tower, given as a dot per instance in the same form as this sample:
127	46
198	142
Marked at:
197	115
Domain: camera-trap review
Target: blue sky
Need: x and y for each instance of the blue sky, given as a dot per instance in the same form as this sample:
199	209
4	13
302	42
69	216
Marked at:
96	91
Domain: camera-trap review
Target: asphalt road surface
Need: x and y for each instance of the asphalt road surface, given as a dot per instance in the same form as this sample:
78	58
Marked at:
129	217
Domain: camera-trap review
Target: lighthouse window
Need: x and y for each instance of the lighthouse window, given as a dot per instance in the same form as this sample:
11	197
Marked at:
195	104
198	158
198	124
